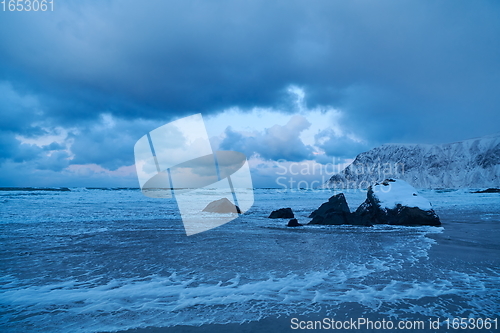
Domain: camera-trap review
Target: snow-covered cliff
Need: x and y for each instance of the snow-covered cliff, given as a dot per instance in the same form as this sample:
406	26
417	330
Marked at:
473	163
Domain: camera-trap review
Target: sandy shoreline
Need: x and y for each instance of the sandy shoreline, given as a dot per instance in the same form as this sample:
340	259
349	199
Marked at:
470	242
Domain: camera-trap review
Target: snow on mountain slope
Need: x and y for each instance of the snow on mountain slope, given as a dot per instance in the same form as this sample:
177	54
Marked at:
473	163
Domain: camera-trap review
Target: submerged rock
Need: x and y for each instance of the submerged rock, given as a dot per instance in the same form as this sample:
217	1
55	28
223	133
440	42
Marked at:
489	190
222	206
294	223
395	202
282	213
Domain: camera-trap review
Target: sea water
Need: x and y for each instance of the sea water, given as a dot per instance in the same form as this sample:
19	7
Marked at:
93	260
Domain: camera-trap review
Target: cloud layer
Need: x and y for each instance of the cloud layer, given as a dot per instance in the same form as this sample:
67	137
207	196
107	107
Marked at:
413	71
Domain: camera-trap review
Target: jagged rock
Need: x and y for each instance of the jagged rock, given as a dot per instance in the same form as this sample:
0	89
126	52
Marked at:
395	202
490	190
294	223
282	213
334	212
222	206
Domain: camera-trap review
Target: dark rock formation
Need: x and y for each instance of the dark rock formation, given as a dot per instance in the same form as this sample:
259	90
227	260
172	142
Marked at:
282	213
222	206
399	205
334	212
294	223
490	190
392	202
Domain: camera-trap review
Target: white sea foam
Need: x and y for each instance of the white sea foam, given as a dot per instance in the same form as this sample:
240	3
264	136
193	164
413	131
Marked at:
169	301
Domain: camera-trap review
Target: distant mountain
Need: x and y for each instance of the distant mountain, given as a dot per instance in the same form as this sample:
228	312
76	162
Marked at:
473	163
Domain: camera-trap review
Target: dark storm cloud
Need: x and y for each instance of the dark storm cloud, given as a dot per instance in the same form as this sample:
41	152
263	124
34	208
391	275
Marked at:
137	59
109	142
9	146
51	157
412	71
18	111
151	58
56	161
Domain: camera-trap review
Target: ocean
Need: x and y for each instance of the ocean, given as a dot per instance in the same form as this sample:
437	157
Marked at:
107	260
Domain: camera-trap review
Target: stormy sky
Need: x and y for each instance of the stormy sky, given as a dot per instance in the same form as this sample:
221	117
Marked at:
288	83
